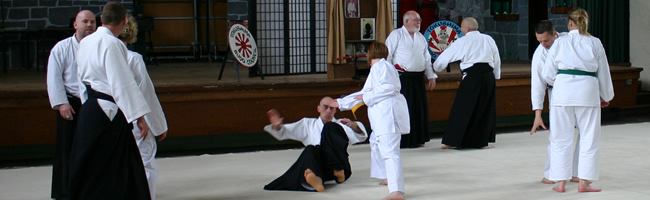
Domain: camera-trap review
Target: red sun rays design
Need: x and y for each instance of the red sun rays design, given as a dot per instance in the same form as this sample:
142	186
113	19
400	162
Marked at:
244	47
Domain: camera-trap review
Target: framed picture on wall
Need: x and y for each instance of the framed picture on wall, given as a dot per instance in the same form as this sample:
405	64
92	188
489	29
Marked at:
352	8
367	29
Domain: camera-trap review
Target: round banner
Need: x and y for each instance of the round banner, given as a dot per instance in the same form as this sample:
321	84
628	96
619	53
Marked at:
242	45
440	35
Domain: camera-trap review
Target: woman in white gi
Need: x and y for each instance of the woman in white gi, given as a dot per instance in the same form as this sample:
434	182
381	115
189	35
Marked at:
577	68
389	118
156	118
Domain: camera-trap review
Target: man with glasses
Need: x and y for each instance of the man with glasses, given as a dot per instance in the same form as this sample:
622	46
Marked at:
407	50
325	156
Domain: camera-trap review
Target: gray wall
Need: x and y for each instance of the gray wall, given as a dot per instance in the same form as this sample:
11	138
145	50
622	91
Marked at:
511	36
639	42
36	14
237	10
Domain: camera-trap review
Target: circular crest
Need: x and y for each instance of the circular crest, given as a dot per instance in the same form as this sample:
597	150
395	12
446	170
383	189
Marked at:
242	45
440	35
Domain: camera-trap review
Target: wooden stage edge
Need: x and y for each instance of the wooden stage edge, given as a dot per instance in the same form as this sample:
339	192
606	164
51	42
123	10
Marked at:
221	115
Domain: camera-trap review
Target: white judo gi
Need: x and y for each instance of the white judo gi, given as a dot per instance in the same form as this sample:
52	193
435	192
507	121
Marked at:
537	92
308	131
155	119
576	102
389	119
98	169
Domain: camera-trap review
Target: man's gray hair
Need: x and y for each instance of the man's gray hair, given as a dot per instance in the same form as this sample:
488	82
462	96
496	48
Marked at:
407	16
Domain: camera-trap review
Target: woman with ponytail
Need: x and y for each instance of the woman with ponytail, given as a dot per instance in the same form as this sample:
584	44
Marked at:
578	70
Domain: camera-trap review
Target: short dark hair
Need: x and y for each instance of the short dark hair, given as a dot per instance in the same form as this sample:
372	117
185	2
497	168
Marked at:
544	26
377	50
113	13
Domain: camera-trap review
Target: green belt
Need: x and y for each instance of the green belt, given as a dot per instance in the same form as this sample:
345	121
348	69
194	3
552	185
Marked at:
576	72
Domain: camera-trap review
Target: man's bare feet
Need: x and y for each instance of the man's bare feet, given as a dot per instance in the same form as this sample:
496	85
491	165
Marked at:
546	181
560	186
488	147
314	180
384	182
340	176
585	186
445	147
575	179
395	196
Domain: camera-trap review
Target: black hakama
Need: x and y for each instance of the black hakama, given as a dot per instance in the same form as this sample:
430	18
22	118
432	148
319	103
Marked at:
322	159
472	119
105	160
414	90
65	130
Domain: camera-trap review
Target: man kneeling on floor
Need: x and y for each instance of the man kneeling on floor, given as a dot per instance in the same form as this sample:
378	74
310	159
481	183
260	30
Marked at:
325	156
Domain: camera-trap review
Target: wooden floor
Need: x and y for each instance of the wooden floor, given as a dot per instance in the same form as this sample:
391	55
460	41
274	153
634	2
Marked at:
206	113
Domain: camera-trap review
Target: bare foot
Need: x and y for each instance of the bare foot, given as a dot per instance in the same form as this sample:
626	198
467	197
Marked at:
546	181
395	196
560	186
384	182
576	179
340	176
445	147
314	180
585	186
487	147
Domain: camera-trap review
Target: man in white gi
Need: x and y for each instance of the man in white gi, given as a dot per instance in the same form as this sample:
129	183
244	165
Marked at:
578	70
472	122
63	91
105	162
325	156
407	50
546	35
156	118
353	11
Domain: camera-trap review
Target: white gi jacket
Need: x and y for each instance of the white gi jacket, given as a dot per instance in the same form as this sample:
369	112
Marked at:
387	109
472	48
62	72
578	52
537	83
409	52
156	118
102	65
308	131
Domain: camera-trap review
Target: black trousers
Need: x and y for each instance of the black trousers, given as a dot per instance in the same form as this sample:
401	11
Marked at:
105	160
472	119
322	159
414	90
65	130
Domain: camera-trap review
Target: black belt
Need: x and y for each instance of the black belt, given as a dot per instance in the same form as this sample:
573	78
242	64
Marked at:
99	95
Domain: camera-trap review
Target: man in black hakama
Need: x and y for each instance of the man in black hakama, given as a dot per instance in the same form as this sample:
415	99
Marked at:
325	156
471	123
331	155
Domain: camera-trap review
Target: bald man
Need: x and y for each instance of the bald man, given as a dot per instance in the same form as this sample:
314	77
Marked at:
63	92
471	123
325	156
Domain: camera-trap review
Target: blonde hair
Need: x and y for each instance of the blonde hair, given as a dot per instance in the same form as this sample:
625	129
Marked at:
580	17
130	33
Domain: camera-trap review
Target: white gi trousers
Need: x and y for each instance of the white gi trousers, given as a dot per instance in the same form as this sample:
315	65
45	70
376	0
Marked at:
563	119
547	164
385	160
148	149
